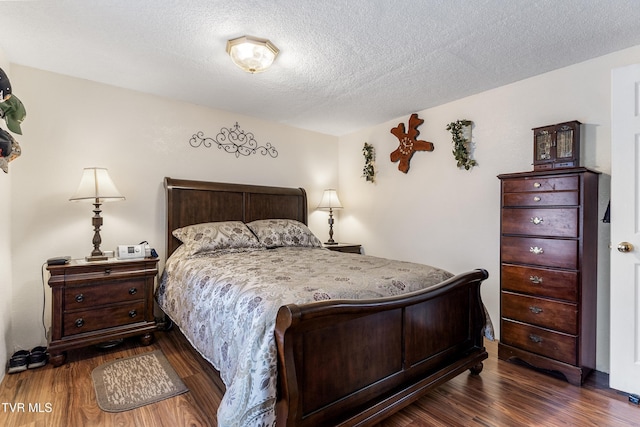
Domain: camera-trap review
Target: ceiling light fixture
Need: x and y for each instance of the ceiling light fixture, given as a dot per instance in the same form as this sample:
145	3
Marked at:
252	54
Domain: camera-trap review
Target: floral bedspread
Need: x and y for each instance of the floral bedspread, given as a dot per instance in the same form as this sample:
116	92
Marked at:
226	302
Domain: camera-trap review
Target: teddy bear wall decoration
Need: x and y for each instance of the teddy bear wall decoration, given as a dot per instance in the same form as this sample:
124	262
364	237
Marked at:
408	143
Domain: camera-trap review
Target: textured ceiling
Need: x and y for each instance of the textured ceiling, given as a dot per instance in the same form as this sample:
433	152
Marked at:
343	65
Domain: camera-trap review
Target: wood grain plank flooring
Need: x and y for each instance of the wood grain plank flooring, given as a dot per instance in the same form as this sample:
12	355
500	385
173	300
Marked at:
504	394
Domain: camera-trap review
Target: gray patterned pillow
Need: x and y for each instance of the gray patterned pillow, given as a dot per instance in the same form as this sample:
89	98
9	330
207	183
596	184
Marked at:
283	232
212	236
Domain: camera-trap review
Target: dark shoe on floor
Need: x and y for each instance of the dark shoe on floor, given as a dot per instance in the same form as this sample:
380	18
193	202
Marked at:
38	357
18	361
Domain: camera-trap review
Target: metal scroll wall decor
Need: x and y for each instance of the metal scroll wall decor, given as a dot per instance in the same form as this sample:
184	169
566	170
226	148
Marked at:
234	140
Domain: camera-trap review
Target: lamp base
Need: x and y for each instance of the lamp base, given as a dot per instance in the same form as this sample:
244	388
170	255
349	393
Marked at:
96	258
331	243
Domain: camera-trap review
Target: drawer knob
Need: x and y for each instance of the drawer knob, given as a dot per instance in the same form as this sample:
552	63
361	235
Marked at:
133	314
535	310
536	198
79	323
133	291
535	279
107	271
536	250
79	298
537	220
536	185
535	338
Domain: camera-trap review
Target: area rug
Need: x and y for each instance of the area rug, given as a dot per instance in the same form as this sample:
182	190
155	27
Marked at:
129	383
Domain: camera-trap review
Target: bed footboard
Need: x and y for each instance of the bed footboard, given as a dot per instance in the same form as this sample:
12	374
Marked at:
353	363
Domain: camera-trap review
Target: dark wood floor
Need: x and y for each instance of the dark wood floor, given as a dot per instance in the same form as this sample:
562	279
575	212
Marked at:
505	394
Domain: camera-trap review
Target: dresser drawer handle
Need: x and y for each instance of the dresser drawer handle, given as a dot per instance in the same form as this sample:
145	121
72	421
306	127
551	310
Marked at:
536	198
133	313
107	271
537	220
535	279
537	185
535	310
535	338
79	323
133	291
536	250
79	298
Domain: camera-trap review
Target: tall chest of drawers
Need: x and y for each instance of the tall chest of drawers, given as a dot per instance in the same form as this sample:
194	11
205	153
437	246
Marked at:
548	256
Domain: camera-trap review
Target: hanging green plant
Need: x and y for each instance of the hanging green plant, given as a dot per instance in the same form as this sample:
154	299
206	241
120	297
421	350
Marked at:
460	144
369	171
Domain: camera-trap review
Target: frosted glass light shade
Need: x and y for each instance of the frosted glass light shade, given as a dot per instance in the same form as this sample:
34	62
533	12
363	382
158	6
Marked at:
252	54
96	186
330	200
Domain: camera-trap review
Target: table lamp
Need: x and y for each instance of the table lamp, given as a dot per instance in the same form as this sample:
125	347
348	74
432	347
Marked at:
96	187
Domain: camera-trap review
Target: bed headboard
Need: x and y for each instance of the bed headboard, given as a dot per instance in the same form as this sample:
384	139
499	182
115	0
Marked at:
193	202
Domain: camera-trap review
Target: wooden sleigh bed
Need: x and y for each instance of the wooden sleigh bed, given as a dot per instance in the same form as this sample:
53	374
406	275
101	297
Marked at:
347	363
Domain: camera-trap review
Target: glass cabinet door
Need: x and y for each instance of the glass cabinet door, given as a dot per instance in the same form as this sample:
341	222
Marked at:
544	143
564	142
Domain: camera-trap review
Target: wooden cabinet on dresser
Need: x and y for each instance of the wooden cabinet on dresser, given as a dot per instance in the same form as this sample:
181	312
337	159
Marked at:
100	301
548	255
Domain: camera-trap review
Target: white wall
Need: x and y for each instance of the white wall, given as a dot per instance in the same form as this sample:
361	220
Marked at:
440	215
6	347
73	123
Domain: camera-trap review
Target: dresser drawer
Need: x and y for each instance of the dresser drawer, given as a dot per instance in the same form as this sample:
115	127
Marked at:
81	297
556	315
540	281
555	345
77	322
543	198
560	222
564	183
536	251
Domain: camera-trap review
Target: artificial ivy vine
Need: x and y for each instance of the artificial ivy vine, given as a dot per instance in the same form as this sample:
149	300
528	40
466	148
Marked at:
460	148
369	171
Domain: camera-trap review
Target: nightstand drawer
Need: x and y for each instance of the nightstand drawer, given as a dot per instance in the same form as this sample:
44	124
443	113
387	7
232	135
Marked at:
108	271
544	252
556	315
540	281
352	248
78	322
562	222
81	297
556	345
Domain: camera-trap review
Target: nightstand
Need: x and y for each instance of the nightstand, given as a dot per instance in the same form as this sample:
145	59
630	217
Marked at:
96	302
345	247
